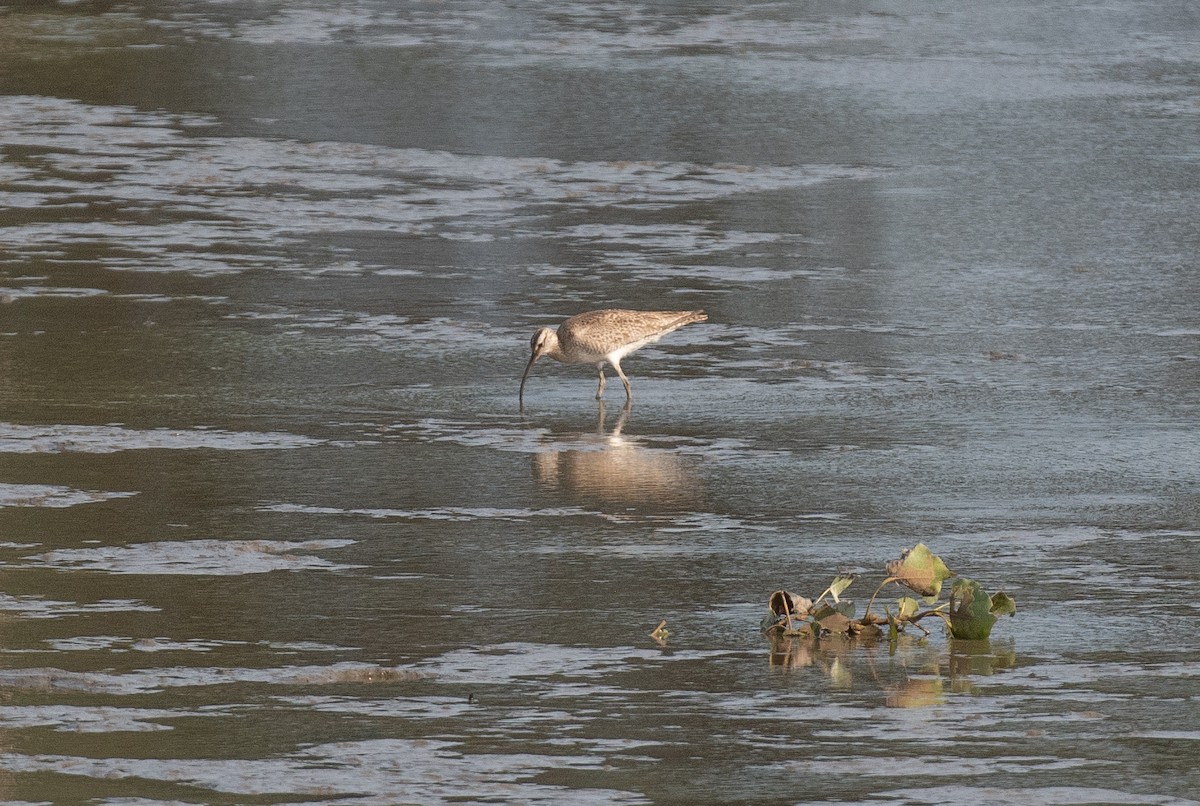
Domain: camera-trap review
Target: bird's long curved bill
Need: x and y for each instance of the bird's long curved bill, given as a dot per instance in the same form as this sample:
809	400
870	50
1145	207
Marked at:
524	375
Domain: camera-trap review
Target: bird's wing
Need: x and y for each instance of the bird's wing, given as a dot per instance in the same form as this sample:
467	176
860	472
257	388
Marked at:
602	332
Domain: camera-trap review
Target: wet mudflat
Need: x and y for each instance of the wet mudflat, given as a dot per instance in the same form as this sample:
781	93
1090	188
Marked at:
273	530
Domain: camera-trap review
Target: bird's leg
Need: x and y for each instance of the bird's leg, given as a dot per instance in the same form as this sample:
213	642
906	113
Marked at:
624	380
600	388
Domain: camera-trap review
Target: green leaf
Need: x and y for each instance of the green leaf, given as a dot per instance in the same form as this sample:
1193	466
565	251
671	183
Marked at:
770	621
845	608
970	612
838	585
1003	605
835	623
921	570
907	607
834	618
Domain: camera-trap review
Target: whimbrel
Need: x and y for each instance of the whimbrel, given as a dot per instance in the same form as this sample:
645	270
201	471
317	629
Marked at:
607	335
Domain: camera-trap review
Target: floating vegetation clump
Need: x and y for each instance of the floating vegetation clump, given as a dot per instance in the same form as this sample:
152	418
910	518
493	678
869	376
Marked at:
969	613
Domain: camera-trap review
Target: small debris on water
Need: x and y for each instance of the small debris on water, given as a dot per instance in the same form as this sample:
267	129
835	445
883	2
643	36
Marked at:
660	632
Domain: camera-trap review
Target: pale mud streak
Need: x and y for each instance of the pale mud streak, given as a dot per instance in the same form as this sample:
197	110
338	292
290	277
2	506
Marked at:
196	557
566	33
272	196
52	495
377	771
38	607
512	662
437	514
542	441
701	523
74	719
952	795
152	680
438	336
111	438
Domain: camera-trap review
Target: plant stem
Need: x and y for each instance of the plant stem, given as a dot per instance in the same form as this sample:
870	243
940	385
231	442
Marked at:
876	593
937	611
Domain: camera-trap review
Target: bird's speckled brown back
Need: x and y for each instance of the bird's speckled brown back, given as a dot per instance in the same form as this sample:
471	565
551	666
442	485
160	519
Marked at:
591	336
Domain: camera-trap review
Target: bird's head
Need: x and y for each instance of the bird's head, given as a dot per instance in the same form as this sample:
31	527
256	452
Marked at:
542	342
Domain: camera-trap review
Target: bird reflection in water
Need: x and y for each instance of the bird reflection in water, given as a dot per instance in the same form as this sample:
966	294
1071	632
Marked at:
610	468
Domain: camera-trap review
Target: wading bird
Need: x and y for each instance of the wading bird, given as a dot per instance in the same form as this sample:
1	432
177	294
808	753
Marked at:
603	336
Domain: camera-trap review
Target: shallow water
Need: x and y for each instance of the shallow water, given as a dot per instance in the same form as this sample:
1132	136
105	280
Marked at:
274	531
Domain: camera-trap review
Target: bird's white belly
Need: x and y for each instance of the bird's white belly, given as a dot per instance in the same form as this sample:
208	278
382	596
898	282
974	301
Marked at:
616	355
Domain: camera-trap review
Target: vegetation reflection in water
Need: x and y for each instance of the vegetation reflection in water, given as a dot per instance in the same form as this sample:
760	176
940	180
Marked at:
910	672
